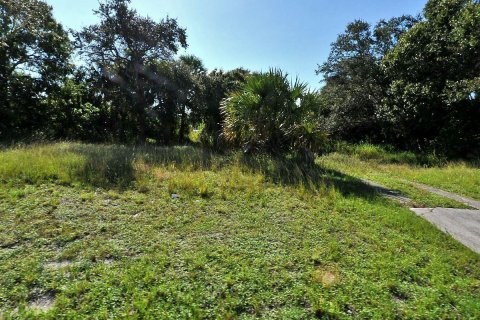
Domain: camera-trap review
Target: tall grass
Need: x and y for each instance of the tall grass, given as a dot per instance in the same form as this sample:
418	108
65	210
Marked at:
376	162
387	154
185	169
99	165
37	163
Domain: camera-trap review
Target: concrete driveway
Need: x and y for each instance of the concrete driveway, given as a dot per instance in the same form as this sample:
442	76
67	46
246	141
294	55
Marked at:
461	224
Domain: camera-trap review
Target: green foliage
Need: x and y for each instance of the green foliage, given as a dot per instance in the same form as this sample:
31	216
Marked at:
432	101
179	99
39	163
34	59
393	168
233	245
131	87
387	154
408	82
195	134
93	231
96	165
355	83
271	114
216	87
73	114
124	50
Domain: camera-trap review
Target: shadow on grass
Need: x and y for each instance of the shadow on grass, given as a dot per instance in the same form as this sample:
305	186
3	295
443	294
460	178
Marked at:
104	166
292	172
388	155
111	166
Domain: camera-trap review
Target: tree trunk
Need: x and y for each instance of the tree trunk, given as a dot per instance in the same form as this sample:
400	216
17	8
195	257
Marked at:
169	121
141	106
142	123
183	126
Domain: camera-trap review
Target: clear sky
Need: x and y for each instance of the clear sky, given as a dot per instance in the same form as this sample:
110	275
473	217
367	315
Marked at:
255	34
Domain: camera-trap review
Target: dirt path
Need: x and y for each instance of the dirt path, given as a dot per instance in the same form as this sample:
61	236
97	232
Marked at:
461	224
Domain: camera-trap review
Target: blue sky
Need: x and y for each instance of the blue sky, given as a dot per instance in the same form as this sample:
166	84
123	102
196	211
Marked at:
255	34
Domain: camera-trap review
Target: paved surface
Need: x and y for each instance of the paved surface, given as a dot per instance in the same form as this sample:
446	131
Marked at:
388	193
469	202
462	224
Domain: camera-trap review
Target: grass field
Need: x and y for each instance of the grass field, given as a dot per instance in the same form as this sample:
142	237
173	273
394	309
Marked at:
395	169
92	231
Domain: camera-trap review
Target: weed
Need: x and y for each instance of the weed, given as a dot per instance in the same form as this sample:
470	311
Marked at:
247	238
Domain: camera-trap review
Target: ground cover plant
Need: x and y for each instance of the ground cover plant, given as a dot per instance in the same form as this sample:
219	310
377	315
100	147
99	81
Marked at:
397	168
245	238
199	193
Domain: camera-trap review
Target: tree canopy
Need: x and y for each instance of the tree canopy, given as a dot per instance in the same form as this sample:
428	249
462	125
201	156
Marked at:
355	82
434	74
34	60
411	81
125	48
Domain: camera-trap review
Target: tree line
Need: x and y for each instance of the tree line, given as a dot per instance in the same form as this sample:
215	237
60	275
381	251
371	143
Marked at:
410	82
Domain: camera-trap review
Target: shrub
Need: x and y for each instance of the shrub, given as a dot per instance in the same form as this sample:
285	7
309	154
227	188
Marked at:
270	113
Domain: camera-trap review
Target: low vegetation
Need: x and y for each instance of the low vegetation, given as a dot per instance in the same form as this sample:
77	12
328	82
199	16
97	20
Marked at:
213	194
395	168
254	237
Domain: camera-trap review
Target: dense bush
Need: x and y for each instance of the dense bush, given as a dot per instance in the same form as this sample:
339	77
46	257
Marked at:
432	102
409	82
270	113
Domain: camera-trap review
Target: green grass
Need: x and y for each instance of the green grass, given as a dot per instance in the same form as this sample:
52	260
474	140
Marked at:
392	168
248	238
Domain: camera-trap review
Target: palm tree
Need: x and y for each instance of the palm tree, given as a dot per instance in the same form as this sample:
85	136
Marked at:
270	113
